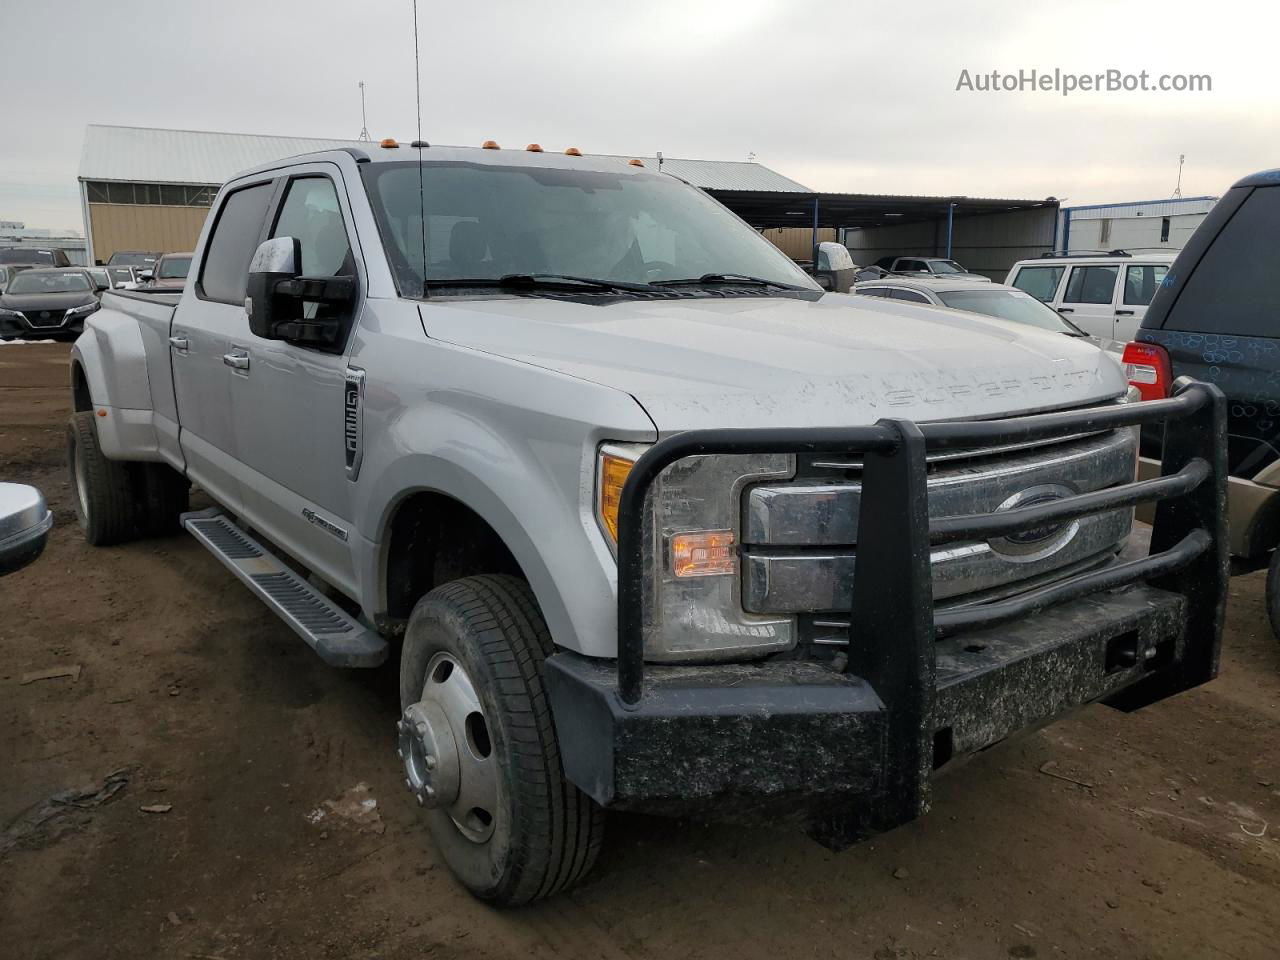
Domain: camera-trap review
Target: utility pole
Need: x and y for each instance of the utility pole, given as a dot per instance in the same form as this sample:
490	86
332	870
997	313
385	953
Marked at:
364	118
1177	191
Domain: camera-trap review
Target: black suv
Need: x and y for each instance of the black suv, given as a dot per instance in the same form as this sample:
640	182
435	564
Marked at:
1216	317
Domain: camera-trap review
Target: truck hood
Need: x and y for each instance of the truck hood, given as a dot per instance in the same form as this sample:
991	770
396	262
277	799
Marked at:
775	361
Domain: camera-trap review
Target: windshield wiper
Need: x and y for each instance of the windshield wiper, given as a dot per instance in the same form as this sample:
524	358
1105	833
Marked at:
736	279
546	281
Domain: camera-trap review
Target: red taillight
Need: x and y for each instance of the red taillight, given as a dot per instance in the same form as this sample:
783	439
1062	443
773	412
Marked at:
1146	366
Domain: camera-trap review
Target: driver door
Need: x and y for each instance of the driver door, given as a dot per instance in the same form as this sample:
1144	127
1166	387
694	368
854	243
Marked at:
288	399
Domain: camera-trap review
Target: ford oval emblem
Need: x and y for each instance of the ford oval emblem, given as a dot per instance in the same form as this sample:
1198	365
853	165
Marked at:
1036	543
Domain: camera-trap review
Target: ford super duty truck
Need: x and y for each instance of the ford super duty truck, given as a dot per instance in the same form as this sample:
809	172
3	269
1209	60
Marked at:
651	521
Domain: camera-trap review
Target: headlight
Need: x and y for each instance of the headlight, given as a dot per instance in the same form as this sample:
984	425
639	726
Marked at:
84	309
9	313
692	588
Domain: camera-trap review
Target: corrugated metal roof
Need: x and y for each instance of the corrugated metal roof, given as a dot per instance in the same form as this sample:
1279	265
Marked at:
155	155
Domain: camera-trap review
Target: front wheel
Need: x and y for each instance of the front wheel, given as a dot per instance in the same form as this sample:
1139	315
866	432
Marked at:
479	748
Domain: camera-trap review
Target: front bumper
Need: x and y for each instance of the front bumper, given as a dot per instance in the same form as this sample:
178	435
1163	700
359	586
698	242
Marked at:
798	737
854	749
23	328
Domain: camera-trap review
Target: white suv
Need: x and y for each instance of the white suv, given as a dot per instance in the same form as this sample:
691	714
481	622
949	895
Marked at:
1105	295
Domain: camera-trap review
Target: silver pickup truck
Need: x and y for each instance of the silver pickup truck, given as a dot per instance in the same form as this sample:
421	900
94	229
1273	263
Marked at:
653	521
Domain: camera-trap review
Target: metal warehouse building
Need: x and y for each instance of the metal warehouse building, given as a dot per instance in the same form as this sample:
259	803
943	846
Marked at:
143	188
1144	225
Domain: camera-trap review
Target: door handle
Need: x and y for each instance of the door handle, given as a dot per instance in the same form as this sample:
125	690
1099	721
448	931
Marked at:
237	360
179	343
1124	313
1066	309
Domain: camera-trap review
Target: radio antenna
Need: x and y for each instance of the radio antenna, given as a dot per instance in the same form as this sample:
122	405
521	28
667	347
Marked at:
422	203
364	117
1177	191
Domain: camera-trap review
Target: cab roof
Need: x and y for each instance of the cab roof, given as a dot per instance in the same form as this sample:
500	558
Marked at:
1265	178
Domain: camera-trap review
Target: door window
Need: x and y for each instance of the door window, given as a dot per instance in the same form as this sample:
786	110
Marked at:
225	271
1040	282
1141	282
310	213
1235	288
911	266
1091	284
910	295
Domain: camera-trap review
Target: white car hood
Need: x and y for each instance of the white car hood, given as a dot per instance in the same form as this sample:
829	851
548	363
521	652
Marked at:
775	361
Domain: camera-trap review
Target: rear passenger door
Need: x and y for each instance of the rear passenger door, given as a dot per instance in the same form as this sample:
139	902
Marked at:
1141	281
210	314
1041	282
1089	299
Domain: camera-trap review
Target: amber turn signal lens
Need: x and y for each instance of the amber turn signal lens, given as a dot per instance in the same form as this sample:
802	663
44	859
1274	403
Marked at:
613	474
491	145
389	144
636	162
707	554
573	152
534	148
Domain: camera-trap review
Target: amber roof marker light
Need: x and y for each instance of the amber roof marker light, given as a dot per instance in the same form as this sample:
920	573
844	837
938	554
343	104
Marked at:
636	162
389	144
534	148
573	152
490	145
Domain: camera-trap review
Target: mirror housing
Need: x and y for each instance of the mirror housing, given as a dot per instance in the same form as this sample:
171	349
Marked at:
276	295
25	521
144	276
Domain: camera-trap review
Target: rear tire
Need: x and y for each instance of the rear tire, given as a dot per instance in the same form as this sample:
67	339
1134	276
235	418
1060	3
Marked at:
104	492
543	834
1273	592
166	496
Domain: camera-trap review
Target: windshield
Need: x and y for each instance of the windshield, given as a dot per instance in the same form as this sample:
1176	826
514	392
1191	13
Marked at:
1008	305
131	260
36	281
947	266
485	221
18	255
121	274
174	268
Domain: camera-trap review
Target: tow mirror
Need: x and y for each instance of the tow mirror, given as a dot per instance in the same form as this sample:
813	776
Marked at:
145	275
276	296
25	521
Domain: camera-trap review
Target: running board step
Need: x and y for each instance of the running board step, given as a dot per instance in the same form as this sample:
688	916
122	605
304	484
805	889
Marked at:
339	639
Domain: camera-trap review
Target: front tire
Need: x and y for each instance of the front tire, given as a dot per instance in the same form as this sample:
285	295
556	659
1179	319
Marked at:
479	746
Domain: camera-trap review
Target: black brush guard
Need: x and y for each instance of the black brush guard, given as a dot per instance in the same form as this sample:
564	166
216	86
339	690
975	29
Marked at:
681	739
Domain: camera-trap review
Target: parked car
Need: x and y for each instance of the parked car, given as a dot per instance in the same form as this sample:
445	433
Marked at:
8	271
928	266
1105	295
47	302
599	461
33	257
142	259
170	272
992	300
123	278
1214	318
25	522
100	277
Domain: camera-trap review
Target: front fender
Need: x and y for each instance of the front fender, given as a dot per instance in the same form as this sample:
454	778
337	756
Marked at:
523	460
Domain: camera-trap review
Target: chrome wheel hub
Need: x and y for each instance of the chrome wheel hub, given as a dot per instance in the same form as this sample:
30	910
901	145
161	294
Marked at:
447	751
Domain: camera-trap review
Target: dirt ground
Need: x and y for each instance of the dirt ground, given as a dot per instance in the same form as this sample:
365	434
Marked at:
280	827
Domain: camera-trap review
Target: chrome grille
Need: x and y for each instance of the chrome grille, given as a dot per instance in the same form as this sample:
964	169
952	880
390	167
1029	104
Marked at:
45	318
800	538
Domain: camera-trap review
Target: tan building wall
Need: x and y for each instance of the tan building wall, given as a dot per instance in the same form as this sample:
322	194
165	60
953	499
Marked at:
796	242
129	226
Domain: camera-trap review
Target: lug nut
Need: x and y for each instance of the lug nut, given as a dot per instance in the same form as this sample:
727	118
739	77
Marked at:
399	726
421	802
408	783
429	762
421	728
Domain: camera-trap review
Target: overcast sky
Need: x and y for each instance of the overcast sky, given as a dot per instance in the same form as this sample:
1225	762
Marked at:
840	95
